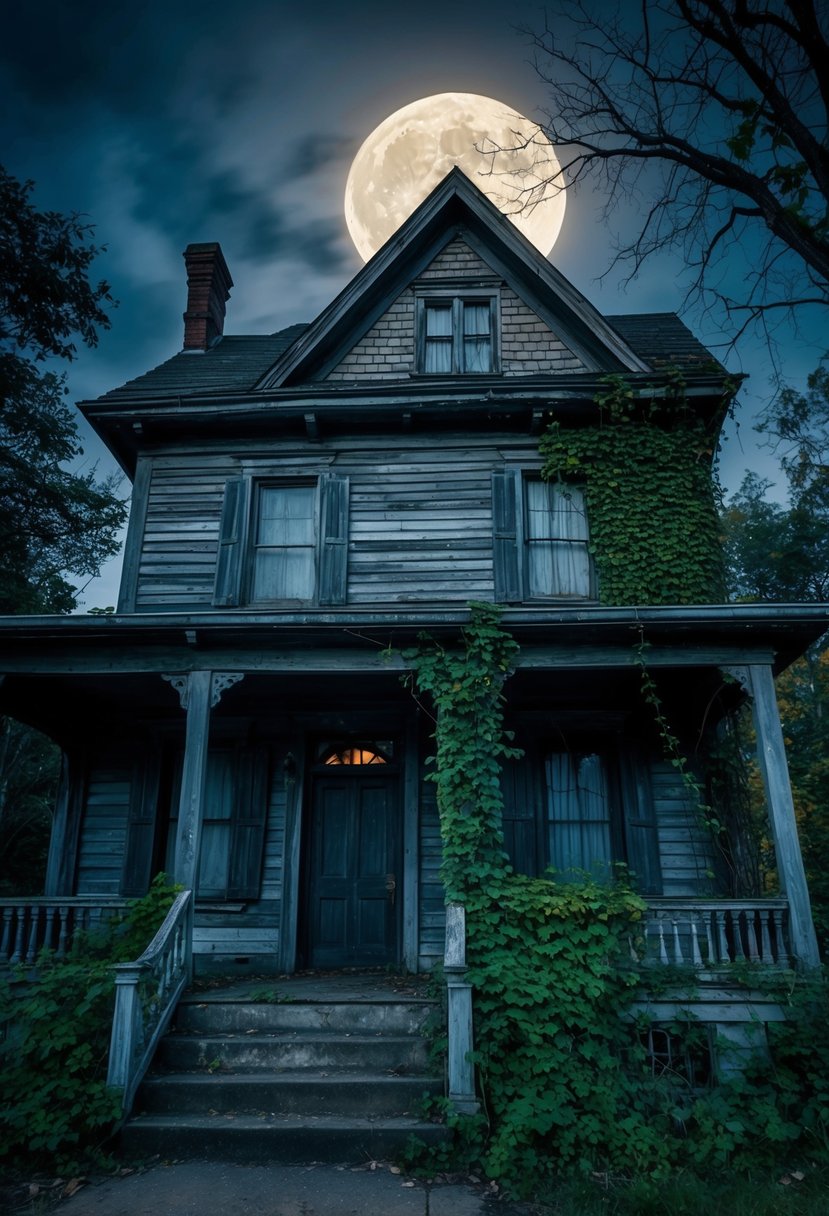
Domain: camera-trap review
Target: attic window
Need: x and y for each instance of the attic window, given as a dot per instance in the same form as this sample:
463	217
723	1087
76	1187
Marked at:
457	335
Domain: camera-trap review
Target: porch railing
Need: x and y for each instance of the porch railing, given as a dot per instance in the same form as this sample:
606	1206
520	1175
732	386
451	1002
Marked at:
146	994
715	933
28	925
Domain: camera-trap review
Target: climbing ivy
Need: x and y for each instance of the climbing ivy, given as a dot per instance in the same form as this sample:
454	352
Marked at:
646	468
562	1071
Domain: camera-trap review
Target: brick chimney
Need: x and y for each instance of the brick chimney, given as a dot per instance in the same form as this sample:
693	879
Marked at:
208	289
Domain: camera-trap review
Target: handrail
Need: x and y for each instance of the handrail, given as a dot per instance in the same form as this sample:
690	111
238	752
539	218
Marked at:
711	933
146	994
29	924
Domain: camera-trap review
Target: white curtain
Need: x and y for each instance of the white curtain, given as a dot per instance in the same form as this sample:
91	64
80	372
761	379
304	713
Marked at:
557	537
578	815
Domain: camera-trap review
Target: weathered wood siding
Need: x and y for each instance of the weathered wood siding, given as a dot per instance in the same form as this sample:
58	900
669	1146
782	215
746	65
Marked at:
387	350
104	829
419	527
432	910
685	847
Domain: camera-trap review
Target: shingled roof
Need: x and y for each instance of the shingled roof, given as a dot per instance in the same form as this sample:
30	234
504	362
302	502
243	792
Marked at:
237	363
232	364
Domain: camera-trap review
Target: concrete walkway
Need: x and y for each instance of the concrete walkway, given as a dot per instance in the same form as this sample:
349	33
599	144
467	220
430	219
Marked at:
214	1189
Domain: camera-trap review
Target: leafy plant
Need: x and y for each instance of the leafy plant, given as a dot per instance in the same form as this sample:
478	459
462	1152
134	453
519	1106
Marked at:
53	1059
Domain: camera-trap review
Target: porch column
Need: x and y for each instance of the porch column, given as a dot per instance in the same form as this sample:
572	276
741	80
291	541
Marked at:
459	1015
198	691
63	842
771	754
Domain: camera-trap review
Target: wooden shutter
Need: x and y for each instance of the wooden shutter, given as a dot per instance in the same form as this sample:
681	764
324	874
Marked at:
141	825
505	507
518	788
334	542
227	592
641	831
247	842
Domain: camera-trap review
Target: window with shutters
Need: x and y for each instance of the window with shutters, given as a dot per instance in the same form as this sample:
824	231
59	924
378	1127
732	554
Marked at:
283	542
457	335
541	540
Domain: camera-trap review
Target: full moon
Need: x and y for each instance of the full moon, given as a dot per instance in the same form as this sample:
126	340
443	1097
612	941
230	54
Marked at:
503	153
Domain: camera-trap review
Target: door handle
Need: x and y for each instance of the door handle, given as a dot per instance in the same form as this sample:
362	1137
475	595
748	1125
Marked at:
391	887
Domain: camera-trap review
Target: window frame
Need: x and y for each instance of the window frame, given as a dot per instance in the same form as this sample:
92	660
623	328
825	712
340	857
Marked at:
528	541
455	298
259	485
511	544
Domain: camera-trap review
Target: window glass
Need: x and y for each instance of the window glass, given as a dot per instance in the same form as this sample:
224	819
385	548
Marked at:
558	561
578	815
284	549
458	336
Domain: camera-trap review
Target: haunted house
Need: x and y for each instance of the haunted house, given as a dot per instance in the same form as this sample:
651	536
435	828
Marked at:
305	504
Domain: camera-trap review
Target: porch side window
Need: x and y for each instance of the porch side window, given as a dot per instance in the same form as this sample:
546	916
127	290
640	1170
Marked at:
457	336
557	537
578	815
283	552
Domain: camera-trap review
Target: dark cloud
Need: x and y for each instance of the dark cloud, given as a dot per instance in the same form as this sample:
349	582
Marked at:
319	151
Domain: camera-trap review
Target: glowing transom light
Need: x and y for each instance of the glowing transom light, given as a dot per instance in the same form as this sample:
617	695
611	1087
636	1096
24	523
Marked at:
503	153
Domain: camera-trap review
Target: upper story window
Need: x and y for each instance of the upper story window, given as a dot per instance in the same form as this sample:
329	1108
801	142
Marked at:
284	548
283	542
541	540
556	542
457	335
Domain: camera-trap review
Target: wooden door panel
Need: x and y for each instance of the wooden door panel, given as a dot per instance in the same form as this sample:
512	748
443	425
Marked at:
353	848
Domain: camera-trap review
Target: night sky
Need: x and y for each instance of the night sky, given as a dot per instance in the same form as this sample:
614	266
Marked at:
174	122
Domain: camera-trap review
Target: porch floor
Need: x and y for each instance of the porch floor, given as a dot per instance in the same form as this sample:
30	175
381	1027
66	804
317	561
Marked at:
318	986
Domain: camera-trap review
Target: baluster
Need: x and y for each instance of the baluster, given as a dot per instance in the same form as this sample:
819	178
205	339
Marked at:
64	931
782	950
737	936
679	958
49	927
663	953
634	958
5	945
709	937
751	937
725	954
34	925
695	950
765	937
19	937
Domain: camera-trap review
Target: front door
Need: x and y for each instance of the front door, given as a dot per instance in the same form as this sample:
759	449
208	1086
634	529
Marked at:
353	869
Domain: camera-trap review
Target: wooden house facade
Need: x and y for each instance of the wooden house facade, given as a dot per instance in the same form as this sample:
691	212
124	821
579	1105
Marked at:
305	504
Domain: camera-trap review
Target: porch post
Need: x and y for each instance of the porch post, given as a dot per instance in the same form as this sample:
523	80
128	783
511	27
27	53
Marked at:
771	754
459	1014
196	700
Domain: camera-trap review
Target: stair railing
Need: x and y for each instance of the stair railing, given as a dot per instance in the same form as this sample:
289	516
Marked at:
459	1014
146	994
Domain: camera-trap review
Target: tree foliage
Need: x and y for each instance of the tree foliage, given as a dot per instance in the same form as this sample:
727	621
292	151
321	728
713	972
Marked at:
712	115
53	521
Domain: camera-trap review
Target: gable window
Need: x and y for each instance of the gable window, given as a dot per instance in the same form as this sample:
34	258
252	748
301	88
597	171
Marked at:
283	542
457	335
541	540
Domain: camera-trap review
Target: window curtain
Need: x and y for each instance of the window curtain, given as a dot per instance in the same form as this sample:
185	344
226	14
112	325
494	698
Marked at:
578	815
557	537
438	350
477	344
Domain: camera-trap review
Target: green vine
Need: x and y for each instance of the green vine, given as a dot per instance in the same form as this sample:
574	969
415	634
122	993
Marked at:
646	469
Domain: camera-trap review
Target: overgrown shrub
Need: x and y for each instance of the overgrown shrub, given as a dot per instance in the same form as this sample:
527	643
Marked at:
53	1060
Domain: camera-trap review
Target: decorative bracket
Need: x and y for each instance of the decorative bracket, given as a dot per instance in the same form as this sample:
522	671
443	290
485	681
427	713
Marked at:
221	681
743	677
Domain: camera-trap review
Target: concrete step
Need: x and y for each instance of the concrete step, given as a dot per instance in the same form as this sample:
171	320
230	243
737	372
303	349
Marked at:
401	1054
364	1017
273	1138
286	1093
